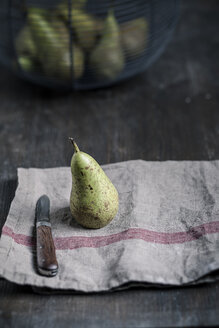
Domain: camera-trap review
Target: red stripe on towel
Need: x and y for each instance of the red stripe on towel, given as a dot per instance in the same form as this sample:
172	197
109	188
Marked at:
132	233
18	238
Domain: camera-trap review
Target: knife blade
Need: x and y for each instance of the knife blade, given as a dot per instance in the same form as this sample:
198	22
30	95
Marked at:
47	264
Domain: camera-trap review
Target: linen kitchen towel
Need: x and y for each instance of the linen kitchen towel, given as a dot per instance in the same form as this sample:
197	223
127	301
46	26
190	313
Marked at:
166	231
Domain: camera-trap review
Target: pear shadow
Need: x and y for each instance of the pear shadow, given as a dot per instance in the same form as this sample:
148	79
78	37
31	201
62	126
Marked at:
62	218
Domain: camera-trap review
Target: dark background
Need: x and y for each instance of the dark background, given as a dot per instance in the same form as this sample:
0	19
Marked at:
169	112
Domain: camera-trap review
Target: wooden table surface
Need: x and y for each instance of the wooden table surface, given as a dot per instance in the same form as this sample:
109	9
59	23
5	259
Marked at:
169	112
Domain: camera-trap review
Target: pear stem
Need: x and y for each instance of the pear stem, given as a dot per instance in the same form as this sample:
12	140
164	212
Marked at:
74	144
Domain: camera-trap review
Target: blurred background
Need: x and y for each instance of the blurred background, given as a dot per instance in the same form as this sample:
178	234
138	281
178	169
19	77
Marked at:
161	98
84	44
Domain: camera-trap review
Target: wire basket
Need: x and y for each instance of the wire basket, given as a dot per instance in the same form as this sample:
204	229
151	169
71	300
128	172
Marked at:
83	44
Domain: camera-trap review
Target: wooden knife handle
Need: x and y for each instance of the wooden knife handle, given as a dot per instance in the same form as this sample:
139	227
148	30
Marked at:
46	257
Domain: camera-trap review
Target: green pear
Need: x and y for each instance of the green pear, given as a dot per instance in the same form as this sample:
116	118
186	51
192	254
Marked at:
24	43
63	7
86	27
46	39
26	50
26	63
94	199
134	35
107	58
78	63
53	45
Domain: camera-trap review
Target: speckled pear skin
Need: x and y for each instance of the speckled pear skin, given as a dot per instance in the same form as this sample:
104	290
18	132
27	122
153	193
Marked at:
94	199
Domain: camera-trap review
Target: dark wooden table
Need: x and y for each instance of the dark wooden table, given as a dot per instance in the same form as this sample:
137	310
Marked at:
169	112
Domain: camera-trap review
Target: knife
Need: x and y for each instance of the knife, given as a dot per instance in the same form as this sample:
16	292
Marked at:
47	264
